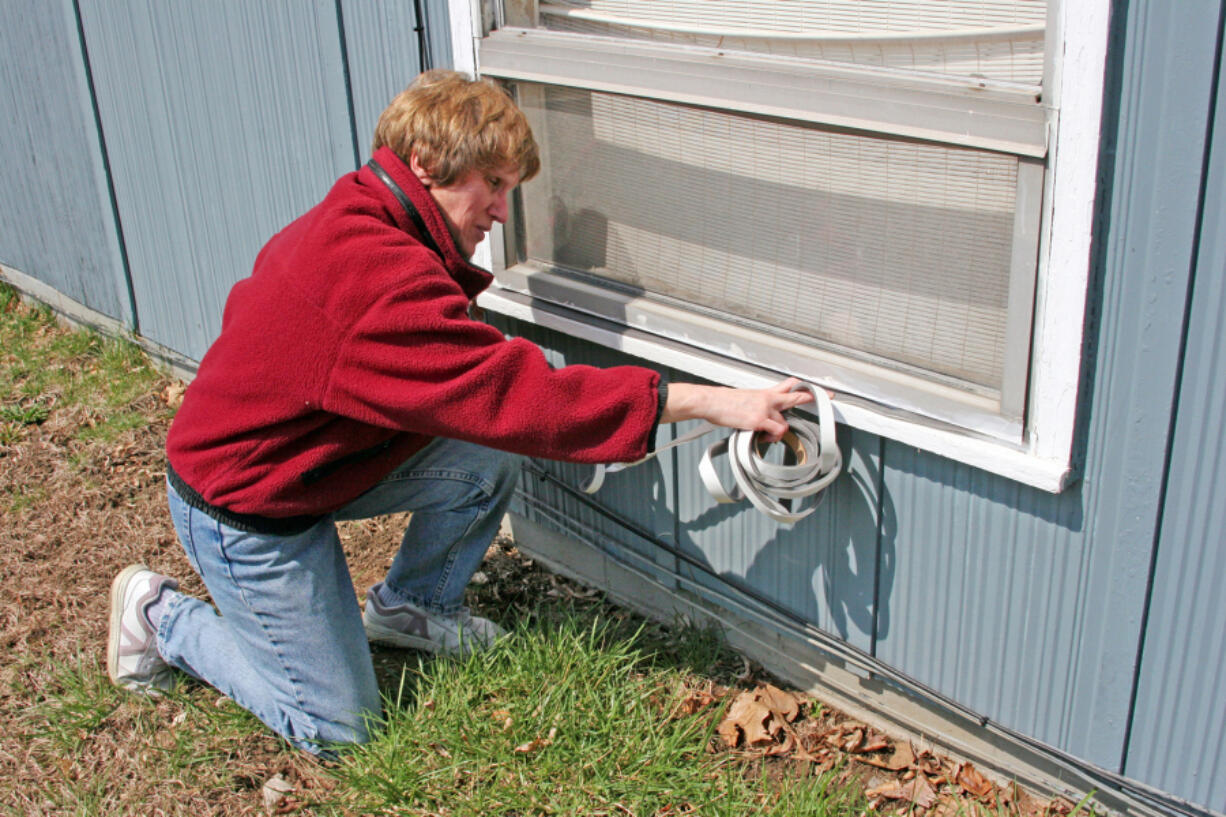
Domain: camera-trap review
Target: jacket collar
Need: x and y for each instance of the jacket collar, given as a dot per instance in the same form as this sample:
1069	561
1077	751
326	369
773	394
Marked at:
471	278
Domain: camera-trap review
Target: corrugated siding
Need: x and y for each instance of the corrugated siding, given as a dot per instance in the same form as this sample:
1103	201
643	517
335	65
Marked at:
987	593
383	58
823	569
56	220
1177	739
224	121
642	496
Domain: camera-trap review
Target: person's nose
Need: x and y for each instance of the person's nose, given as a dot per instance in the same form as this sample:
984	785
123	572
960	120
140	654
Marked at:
500	209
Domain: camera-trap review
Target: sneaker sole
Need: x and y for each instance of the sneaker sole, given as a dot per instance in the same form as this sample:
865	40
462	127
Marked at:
395	638
118	585
383	635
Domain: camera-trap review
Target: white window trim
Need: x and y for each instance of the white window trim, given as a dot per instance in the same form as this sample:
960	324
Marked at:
1075	85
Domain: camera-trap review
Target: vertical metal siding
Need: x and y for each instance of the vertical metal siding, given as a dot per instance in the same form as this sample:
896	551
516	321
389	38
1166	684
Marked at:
643	496
824	568
1177	739
383	59
1169	54
382	50
1045	594
224	121
56	220
438	32
987	593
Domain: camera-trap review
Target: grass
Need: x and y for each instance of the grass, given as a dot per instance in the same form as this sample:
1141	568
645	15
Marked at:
568	717
572	714
43	368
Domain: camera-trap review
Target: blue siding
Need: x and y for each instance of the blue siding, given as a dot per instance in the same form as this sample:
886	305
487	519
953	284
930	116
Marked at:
823	569
224	122
1177	742
56	219
383	59
986	595
642	496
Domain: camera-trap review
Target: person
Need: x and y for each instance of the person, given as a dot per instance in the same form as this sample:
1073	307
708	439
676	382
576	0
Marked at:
348	381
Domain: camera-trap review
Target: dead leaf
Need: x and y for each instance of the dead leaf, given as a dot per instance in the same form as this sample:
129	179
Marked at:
747	716
917	791
971	781
536	744
1060	806
902	758
695	701
875	742
784	704
274	791
785	748
172	395
929	764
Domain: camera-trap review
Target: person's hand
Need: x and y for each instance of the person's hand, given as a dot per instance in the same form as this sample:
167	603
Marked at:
749	409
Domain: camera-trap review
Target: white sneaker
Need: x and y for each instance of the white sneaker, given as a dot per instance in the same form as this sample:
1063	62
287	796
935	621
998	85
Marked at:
132	658
407	625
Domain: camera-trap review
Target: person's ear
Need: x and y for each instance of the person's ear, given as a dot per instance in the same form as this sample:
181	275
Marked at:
420	172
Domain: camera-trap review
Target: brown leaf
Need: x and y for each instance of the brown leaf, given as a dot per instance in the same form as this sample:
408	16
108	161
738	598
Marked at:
974	783
916	791
534	745
695	701
902	758
172	395
1060	806
785	748
875	742
274	791
891	789
929	764
747	716
852	742
784	704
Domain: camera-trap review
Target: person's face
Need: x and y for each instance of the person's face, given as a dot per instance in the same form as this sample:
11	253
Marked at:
472	203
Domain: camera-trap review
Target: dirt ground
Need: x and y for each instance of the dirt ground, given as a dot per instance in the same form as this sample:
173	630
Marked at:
79	511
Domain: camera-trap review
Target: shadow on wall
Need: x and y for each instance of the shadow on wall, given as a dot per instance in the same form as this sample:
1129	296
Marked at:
834	568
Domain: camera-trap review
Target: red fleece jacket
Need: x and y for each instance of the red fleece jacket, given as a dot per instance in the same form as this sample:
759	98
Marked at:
350	347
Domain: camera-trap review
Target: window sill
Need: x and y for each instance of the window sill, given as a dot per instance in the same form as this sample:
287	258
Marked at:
991	455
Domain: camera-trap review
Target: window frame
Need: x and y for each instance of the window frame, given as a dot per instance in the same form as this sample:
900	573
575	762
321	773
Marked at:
1041	454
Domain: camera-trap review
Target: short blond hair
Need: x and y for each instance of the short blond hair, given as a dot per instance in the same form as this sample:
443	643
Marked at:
455	124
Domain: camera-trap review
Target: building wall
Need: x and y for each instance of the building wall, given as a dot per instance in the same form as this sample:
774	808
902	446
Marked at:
149	149
56	219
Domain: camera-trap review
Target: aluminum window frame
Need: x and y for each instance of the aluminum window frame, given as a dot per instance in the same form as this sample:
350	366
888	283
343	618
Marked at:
1038	453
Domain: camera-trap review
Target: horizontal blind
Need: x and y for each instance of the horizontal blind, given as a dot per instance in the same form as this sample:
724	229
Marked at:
890	250
994	39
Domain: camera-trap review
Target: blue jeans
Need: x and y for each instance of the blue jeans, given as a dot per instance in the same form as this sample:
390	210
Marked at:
285	637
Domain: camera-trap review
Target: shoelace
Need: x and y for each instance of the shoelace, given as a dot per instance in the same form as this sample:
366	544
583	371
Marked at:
814	463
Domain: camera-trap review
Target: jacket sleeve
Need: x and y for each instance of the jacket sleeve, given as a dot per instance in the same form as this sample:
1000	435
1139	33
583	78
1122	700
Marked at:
416	362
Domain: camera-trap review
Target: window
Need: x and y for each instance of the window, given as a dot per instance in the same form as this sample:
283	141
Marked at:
853	191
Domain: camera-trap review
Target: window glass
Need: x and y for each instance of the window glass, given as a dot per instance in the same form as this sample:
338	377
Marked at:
995	39
884	249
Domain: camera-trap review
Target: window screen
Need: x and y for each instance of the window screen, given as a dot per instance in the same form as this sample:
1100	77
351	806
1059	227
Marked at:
894	251
994	39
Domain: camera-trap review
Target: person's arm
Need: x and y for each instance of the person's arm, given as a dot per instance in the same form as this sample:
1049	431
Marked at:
749	409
